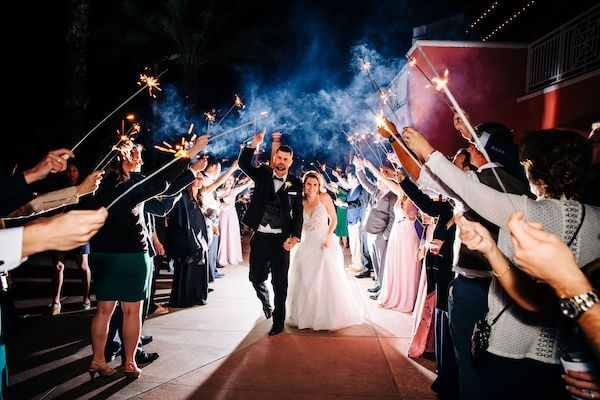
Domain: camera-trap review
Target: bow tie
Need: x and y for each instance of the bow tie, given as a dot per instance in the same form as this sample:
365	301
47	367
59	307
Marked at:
276	178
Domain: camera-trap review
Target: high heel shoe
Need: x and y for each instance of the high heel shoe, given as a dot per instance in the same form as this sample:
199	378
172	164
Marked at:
100	368
131	371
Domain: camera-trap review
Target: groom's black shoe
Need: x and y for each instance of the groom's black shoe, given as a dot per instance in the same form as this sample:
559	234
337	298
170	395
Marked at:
275	330
374	289
268	312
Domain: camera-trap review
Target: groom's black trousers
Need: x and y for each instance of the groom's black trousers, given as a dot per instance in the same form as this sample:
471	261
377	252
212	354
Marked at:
267	254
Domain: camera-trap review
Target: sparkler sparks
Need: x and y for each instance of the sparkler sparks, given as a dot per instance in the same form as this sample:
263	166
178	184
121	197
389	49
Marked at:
237	101
380	120
210	116
365	65
440	83
151	83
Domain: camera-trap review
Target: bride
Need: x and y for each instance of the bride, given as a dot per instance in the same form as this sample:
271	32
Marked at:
319	296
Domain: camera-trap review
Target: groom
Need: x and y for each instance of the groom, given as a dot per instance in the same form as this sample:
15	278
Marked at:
275	217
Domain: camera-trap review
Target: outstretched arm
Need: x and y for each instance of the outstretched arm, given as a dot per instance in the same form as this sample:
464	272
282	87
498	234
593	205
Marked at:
220	180
393	186
245	160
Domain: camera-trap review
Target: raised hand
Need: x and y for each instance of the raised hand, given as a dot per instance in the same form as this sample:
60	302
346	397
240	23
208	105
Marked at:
54	162
199	146
258	138
199	166
387	129
417	142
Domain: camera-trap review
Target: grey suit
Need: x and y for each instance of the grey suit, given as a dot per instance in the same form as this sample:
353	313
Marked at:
378	223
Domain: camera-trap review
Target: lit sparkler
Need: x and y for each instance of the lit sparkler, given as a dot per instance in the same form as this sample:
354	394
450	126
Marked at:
237	102
262	115
441	83
154	81
151	83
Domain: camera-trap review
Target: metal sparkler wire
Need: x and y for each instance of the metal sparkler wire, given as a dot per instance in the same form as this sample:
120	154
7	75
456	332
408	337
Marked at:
115	110
462	115
263	115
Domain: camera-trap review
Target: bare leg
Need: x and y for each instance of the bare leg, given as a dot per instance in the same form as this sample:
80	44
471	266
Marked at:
99	329
132	327
57	283
345	242
86	275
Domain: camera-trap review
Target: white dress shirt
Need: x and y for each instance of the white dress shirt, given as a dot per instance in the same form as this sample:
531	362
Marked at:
11	248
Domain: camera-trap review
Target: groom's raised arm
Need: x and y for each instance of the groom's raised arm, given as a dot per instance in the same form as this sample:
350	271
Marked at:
245	159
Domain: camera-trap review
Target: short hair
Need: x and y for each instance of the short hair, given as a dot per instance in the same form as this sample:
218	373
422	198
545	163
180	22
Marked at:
560	161
467	162
211	161
493	128
286	149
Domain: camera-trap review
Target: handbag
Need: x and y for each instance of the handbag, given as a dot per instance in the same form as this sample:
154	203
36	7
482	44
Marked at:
480	339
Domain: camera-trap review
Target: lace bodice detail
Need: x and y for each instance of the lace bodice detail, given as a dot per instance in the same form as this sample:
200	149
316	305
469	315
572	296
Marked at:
318	220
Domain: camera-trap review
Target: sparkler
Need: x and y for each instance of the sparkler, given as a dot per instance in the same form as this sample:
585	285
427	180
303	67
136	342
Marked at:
150	83
237	102
210	117
123	137
355	147
443	86
323	168
363	137
413	63
262	115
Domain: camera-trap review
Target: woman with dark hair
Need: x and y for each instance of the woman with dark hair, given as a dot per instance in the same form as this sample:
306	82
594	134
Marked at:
121	262
319	295
523	341
79	254
187	245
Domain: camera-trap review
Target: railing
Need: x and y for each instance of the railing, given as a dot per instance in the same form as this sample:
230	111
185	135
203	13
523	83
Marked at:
399	88
571	50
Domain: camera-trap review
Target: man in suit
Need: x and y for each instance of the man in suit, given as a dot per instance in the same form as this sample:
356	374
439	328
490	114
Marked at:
380	220
275	217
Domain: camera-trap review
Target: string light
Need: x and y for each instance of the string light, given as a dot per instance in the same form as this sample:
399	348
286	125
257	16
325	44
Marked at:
509	20
482	16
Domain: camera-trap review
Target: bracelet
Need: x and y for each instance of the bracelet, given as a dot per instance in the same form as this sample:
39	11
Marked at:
506	271
392	138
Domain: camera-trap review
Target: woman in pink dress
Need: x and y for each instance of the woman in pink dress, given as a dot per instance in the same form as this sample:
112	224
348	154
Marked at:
401	275
230	244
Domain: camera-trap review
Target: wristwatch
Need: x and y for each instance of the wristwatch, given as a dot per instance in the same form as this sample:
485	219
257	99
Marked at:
574	307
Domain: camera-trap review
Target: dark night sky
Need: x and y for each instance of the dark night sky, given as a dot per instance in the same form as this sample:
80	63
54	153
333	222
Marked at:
320	30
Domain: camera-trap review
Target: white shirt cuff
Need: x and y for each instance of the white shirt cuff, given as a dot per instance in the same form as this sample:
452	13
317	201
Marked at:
11	248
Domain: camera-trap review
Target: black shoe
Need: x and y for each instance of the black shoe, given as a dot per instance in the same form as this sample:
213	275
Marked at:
276	329
268	312
365	274
219	276
211	290
374	296
141	357
374	289
145	339
220	266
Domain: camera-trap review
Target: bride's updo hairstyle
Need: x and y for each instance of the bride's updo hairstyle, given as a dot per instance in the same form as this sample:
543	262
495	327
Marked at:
314	175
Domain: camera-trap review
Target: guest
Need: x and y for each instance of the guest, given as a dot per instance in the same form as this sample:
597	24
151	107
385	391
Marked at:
211	208
187	245
230	242
123	241
556	163
355	203
379	222
80	255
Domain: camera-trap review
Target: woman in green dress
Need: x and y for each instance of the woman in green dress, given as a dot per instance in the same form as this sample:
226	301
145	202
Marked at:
341	229
121	264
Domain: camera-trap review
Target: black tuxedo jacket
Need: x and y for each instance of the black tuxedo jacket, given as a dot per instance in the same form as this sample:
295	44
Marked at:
290	196
15	192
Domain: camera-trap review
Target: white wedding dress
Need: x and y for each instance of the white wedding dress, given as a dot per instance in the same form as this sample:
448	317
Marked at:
319	296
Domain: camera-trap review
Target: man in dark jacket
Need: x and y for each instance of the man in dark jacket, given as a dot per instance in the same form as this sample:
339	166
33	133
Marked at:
275	217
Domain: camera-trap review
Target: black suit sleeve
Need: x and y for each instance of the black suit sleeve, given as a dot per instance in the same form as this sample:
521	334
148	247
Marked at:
161	206
245	163
15	192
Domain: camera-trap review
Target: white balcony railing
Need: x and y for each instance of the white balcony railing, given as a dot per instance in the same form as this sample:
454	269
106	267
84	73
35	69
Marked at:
568	51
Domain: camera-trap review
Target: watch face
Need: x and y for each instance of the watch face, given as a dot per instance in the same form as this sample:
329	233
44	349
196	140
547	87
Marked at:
569	309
